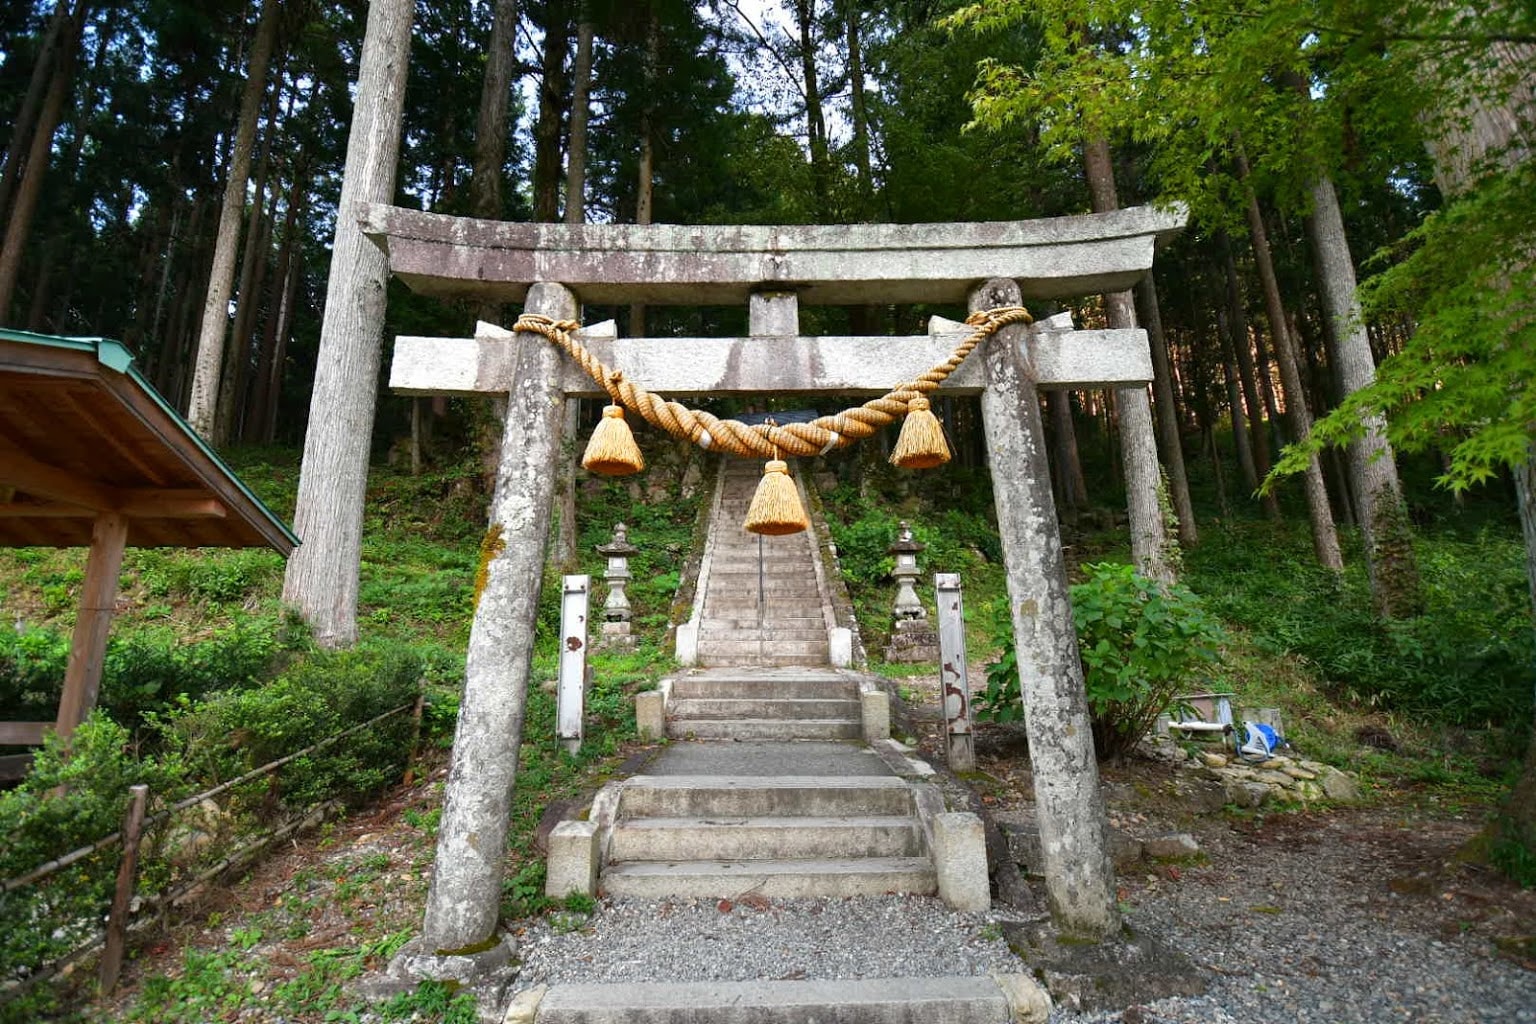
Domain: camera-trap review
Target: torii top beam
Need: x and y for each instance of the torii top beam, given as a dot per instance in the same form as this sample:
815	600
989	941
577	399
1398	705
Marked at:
845	264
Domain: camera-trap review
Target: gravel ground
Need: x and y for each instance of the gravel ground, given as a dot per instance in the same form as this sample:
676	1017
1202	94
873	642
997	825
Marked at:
762	939
1334	918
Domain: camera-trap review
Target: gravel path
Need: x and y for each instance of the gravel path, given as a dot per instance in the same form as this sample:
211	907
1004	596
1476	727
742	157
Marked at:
762	939
1328	919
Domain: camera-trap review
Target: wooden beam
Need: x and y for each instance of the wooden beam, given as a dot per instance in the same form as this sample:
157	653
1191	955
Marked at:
23	734
171	504
98	600
44	510
44	481
679	367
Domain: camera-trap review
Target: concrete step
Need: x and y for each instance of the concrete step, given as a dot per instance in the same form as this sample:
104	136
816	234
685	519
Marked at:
948	1000
725	648
751	622
760	796
709	688
766	706
767	633
747	611
775	879
765	728
675	839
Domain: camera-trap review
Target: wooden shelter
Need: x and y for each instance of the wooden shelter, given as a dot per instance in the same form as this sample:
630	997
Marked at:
92	456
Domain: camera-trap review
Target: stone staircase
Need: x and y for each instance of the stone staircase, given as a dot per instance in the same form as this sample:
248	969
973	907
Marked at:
763	600
786	786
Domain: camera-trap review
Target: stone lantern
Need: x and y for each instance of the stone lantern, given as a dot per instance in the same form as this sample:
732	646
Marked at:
616	610
913	638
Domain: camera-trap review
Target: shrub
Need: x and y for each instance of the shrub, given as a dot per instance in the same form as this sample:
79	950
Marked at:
65	803
1140	642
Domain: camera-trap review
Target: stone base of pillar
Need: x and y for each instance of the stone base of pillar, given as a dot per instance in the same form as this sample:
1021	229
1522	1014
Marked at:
486	974
616	637
913	640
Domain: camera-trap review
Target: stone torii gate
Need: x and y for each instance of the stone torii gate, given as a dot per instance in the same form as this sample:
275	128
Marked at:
553	268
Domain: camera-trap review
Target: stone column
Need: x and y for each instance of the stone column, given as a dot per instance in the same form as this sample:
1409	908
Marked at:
465	899
1079	880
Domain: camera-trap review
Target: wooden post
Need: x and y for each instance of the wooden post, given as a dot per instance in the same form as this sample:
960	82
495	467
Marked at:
410	757
1079	880
98	599
122	898
571	694
954	682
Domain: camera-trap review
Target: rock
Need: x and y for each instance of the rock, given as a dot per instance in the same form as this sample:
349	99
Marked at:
1175	846
1299	773
1199	793
1309	791
1213	760
1314	766
1127	969
1246	794
1275	763
1340	788
1280	779
1280	792
1124	850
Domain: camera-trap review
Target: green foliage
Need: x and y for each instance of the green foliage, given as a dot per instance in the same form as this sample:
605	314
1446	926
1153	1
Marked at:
1463	381
1465	660
68	801
1141	644
316	698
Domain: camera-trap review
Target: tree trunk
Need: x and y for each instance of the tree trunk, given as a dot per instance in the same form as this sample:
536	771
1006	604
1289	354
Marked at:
1325	537
859	104
30	187
815	121
1073	492
645	187
210	342
1170	440
491	126
37	87
1384	527
581	103
1239	415
322	577
261	391
1153	551
280	350
1239	342
546	133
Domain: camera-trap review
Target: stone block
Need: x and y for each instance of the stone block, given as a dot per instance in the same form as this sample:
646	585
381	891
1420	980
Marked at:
840	647
524	1007
960	859
875	709
1171	847
650	715
573	860
688	643
1028	1001
1338	787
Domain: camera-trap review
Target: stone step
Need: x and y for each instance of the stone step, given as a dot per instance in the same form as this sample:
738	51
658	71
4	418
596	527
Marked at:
775	879
765	729
736	839
711	688
725	648
816	621
760	796
748	611
766	706
946	1000
767	633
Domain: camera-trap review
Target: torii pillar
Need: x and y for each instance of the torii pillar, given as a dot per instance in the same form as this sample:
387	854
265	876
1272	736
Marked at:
621	263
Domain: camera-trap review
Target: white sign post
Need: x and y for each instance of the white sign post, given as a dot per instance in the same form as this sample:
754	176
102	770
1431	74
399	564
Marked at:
572	692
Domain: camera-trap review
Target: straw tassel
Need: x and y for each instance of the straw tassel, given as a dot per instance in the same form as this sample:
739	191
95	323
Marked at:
776	508
921	444
612	451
